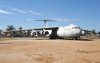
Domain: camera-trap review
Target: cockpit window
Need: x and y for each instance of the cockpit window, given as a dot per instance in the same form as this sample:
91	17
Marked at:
75	27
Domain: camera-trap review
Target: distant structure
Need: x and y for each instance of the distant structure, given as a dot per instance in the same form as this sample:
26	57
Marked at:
90	34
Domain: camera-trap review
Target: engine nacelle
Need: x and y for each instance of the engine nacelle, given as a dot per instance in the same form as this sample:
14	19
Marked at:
47	32
33	33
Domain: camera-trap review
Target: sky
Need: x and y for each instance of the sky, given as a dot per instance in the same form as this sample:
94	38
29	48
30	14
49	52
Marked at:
23	13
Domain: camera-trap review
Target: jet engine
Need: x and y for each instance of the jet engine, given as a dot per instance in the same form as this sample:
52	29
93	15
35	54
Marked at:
33	33
47	32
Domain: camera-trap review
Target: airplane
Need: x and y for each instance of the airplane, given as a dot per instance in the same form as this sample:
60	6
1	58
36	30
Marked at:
71	31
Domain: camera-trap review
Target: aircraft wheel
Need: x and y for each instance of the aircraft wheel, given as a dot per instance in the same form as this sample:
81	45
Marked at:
76	38
53	37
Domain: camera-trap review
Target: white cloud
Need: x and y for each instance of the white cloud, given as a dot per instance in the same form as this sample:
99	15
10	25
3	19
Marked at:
18	10
76	19
60	19
5	12
29	20
22	11
14	9
66	19
34	13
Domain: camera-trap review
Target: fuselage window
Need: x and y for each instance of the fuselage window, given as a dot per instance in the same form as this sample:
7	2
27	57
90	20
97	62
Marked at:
75	27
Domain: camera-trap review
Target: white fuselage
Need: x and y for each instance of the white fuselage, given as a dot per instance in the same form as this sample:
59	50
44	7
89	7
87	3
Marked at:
70	31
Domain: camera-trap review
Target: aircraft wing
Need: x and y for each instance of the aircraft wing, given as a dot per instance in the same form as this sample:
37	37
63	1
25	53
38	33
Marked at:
46	28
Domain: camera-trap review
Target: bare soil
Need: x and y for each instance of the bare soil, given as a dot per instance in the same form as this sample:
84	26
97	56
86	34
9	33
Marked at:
50	51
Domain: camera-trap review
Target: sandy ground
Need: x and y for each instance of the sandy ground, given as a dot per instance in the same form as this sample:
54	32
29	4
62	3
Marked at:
50	51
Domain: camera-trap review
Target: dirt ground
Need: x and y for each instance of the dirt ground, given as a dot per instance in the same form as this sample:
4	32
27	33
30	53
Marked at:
50	51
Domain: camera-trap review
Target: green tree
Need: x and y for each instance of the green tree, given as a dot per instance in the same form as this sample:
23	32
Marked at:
20	28
20	31
99	34
1	33
10	29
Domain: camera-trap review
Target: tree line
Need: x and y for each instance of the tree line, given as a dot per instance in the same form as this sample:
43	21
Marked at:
11	31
